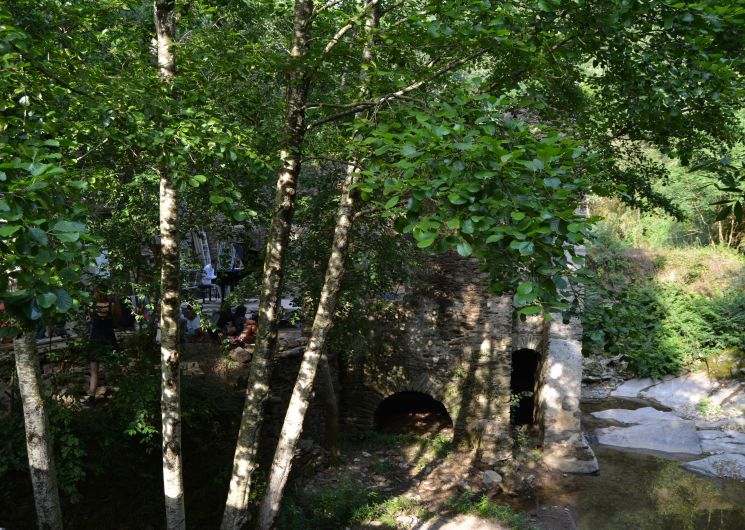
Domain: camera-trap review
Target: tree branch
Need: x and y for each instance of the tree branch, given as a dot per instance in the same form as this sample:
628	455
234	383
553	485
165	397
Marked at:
399	93
344	29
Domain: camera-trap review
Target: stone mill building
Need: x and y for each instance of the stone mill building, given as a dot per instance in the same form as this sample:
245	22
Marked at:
453	341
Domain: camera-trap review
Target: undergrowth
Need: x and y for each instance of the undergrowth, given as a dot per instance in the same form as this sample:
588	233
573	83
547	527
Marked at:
663	310
466	503
347	503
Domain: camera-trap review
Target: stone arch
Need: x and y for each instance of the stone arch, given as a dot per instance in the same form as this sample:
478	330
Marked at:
411	411
367	397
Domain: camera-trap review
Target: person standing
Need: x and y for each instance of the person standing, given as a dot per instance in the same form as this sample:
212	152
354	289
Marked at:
102	339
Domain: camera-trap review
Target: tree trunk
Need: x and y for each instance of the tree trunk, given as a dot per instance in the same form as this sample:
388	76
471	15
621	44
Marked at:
721	232
170	394
244	462
322	323
38	437
326	388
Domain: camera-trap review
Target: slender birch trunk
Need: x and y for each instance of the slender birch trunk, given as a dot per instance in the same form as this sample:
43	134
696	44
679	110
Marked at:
38	436
170	393
322	323
244	462
326	388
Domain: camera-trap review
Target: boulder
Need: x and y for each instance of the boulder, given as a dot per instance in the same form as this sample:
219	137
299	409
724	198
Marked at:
491	479
730	466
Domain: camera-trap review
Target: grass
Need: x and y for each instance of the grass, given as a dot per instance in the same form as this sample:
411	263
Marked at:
466	503
348	503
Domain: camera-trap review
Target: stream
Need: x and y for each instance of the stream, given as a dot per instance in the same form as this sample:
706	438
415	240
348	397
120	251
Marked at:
634	490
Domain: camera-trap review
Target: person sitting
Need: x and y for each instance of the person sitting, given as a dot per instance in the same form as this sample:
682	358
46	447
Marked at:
239	317
224	317
209	273
190	324
248	336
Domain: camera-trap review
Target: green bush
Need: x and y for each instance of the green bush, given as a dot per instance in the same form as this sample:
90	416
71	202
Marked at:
468	504
330	508
657	326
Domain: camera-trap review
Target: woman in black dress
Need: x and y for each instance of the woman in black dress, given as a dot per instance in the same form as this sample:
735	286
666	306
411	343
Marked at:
102	339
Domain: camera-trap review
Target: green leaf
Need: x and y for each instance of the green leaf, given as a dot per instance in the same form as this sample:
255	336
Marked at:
45	300
574	227
64	300
68	237
552	182
8	230
525	288
39	235
216	199
68	226
534	164
517	216
390	203
409	150
426	241
454	223
530	310
494	238
464	249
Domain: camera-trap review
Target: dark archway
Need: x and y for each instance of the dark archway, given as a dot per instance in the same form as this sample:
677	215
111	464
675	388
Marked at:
522	386
411	412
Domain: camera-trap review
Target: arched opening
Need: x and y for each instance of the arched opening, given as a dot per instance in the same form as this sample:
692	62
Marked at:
411	412
522	386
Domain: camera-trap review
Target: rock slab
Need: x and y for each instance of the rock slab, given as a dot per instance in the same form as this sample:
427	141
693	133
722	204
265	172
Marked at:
632	387
730	466
717	442
678	437
643	415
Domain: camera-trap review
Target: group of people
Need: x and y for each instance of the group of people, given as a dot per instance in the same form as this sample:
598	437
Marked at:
237	325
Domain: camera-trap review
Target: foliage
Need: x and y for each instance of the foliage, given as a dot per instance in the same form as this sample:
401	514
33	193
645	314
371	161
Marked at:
346	504
658	325
70	453
43	240
486	509
388	510
334	507
468	176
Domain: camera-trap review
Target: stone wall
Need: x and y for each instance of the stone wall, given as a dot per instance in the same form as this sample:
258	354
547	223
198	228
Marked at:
451	339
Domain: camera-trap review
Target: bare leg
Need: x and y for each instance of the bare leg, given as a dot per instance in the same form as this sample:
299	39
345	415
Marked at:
94	379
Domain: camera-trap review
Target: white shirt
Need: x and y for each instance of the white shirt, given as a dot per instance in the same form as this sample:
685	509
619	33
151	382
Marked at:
208	274
192	326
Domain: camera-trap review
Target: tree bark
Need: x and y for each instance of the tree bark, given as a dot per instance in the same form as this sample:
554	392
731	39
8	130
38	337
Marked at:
170	395
326	388
38	437
322	323
244	462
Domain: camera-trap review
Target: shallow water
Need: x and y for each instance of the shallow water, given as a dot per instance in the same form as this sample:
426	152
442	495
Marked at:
645	492
638	491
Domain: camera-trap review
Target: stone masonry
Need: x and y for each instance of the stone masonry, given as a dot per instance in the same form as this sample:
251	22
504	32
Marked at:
452	340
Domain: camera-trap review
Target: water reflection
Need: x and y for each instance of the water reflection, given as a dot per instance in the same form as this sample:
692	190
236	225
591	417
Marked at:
637	491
